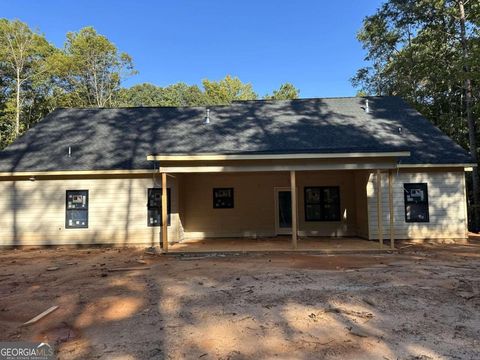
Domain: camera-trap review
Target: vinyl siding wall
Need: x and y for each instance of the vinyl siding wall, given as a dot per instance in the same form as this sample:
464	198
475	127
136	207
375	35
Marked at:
33	212
447	205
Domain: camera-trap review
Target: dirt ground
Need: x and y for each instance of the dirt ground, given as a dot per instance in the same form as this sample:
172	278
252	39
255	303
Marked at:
420	303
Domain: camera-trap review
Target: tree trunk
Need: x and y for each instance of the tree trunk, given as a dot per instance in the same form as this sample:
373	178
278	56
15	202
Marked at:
472	131
17	110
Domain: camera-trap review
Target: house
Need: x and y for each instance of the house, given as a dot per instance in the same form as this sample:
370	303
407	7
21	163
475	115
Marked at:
371	168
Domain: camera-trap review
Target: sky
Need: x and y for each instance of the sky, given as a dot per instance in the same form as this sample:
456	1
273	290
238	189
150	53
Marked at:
310	43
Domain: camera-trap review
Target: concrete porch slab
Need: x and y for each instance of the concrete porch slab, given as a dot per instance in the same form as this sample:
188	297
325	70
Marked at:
324	245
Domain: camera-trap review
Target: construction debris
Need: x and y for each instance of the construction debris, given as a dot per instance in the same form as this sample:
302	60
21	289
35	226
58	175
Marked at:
356	331
41	315
53	268
369	302
151	251
129	269
360	314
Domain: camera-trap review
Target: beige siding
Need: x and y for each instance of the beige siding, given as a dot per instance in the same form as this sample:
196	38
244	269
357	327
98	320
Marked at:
447	206
254	212
33	212
361	181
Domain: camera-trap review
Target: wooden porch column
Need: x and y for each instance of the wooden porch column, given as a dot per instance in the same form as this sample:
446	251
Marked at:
164	213
391	208
379	208
293	192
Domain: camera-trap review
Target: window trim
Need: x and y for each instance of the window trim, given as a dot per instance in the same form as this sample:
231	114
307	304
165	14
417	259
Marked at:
67	210
223	188
427	220
338	216
169	207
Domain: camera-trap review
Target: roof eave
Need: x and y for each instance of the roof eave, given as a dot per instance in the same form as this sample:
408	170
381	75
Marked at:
217	157
446	165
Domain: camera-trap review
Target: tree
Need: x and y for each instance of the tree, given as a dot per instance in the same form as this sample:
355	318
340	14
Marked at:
227	90
181	94
24	58
472	128
92	68
139	95
287	91
178	94
427	51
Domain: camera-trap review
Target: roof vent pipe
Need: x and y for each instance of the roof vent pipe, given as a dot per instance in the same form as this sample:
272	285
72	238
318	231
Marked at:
207	117
367	107
69	151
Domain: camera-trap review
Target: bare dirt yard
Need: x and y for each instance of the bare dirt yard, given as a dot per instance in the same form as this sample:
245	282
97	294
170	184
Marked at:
420	303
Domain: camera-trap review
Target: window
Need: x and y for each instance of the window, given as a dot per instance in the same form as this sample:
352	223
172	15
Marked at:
76	209
416	202
154	207
322	203
223	198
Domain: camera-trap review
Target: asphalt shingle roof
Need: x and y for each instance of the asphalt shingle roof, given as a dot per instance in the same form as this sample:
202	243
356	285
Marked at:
103	139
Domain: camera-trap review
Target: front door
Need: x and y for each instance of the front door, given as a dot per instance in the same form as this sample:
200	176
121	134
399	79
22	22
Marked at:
283	210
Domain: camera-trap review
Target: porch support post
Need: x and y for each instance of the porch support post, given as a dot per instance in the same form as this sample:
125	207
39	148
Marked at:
293	192
379	208
164	213
391	208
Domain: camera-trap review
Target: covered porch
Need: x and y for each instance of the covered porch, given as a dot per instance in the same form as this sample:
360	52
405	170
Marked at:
319	204
281	243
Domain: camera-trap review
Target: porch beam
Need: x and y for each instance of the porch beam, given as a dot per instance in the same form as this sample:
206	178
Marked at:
379	208
164	214
293	192
291	167
391	208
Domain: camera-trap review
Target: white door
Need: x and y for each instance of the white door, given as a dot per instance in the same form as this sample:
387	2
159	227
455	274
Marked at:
283	211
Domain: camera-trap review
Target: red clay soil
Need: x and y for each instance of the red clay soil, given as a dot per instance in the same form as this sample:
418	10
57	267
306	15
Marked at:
420	303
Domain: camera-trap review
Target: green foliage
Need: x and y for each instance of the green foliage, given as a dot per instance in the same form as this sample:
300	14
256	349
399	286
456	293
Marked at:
92	68
213	93
179	94
227	90
287	91
25	78
413	49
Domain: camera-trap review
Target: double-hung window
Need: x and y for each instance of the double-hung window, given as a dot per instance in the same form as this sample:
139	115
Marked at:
76	209
322	203
416	202
223	198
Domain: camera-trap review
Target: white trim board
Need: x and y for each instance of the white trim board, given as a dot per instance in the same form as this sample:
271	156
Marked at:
466	166
213	157
76	172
